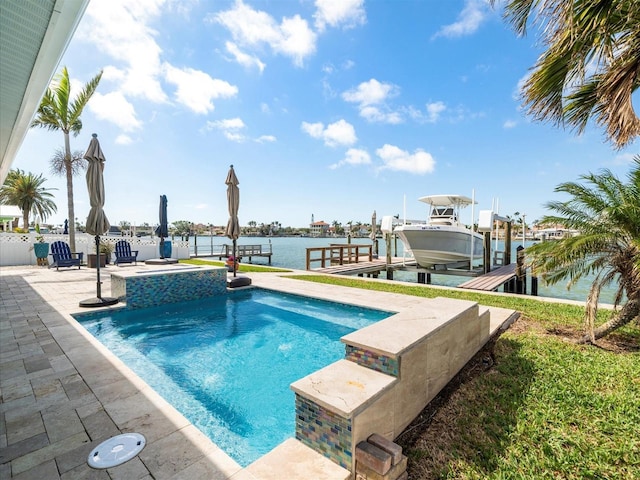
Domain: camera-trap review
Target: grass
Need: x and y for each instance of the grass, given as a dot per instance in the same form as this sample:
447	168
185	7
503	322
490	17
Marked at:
242	267
533	403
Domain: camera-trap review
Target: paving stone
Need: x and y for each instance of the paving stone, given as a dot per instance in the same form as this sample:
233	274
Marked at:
170	455
134	469
36	364
52	349
77	389
23	447
44	471
21	428
11	369
19	407
388	446
74	458
394	473
15	391
62	425
100	425
5	470
85	472
373	457
51	451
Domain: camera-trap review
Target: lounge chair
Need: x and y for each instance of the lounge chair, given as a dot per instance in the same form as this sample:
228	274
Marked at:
124	254
63	256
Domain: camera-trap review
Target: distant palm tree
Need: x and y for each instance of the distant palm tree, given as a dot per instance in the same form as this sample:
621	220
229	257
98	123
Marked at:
590	68
607	215
57	111
27	193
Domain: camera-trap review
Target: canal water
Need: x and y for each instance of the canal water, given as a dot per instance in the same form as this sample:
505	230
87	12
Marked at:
290	252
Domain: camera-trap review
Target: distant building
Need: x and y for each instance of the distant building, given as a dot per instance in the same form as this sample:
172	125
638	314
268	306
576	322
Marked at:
319	229
9	216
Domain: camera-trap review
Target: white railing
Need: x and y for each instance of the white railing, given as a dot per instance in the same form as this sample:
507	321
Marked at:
17	248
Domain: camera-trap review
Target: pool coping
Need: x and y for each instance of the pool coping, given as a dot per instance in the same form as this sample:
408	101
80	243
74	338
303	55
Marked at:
175	448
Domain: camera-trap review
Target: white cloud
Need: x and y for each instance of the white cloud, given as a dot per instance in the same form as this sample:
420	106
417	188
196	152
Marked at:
354	156
469	20
623	159
313	129
374	114
121	29
371	98
230	128
123	139
196	89
348	13
114	107
394	158
244	59
337	133
370	93
253	28
266	139
509	124
434	110
228	124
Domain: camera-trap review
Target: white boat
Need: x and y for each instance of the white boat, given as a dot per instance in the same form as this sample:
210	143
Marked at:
443	241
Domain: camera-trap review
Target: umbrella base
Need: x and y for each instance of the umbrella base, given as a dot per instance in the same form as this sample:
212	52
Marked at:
98	302
160	261
235	282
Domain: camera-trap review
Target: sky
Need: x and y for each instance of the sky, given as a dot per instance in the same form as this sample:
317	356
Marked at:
326	109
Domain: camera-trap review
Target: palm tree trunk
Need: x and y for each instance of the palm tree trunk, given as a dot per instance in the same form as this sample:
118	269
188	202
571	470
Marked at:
72	217
25	220
627	314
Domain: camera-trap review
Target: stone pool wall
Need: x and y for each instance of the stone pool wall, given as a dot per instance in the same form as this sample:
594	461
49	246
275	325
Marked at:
175	284
391	371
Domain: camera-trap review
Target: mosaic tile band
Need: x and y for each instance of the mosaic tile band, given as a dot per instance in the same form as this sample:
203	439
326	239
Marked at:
372	360
324	431
141	291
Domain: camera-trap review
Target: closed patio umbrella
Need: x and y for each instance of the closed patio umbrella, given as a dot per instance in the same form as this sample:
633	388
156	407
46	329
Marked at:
97	222
372	235
162	230
233	200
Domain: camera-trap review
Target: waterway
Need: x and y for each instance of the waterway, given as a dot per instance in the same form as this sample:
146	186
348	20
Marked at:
290	252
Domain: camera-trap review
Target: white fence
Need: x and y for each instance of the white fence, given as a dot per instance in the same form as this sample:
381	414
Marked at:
17	248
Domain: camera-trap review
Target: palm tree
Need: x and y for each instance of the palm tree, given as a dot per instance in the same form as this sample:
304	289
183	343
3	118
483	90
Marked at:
590	68
58	163
27	193
607	215
57	111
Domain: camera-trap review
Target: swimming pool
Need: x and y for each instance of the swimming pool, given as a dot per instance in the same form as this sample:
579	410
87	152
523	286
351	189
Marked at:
226	362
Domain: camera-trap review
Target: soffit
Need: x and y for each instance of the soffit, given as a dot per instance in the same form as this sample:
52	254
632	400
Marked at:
33	37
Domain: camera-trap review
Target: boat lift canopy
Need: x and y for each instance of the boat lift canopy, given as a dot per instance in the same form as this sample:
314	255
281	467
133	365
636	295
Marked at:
447	200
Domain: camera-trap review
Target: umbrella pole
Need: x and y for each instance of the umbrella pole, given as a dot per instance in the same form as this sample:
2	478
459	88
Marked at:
235	258
98	289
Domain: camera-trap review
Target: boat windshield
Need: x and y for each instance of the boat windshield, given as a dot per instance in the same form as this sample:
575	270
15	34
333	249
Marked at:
442	212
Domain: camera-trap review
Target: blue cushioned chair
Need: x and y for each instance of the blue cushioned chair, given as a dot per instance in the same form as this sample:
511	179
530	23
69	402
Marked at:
63	256
124	254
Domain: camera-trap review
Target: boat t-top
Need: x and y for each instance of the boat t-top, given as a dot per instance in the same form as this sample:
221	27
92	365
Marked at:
443	242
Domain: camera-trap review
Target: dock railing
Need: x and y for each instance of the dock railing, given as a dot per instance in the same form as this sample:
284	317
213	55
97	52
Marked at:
243	251
338	254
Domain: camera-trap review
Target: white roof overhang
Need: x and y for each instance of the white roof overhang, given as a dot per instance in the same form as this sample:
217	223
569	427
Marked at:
33	38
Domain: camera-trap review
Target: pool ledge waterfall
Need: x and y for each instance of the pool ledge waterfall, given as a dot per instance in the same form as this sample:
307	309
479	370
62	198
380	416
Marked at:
392	370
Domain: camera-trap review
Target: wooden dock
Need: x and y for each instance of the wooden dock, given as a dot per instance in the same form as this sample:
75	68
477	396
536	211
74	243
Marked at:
374	266
490	281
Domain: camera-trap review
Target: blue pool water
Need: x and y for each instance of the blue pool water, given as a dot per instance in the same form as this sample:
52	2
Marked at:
226	363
